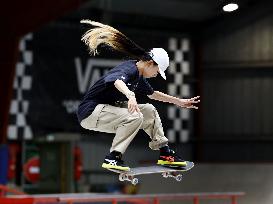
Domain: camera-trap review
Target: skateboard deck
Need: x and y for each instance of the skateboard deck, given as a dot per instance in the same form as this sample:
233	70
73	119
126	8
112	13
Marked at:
174	172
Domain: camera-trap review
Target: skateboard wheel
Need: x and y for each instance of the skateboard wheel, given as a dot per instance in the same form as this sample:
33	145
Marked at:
121	177
179	177
165	174
134	181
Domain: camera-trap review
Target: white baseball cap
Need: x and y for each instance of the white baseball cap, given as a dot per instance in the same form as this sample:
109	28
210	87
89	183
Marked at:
160	56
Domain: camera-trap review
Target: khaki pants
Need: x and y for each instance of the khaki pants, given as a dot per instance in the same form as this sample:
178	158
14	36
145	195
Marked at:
113	119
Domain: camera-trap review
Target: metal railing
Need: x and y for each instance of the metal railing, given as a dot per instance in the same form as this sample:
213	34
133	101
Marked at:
77	198
156	198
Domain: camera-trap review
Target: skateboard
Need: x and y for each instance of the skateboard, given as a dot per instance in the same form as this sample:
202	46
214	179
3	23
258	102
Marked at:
174	172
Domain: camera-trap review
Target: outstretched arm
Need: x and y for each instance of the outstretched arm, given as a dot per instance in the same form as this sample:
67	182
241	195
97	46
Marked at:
184	103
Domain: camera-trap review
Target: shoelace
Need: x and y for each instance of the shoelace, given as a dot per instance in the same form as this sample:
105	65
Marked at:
175	155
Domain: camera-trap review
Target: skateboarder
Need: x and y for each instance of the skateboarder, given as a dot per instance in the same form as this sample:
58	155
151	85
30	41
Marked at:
110	105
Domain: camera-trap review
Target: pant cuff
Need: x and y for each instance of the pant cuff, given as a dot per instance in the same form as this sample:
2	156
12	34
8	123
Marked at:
157	144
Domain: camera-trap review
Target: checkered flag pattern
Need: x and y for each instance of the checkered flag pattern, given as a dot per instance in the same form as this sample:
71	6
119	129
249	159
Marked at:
179	68
18	128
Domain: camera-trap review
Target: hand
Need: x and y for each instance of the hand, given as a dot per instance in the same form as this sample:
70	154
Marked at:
132	105
188	103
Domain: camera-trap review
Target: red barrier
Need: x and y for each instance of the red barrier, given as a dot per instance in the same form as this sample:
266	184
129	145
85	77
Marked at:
16	200
155	198
77	198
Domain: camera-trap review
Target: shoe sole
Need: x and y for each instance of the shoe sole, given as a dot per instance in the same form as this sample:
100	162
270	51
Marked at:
178	164
109	166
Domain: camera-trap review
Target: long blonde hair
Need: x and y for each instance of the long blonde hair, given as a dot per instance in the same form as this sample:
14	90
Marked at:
103	34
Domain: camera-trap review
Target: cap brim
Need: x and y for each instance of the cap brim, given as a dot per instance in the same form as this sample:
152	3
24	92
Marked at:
162	73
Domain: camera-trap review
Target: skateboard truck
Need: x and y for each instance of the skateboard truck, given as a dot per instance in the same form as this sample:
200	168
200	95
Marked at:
125	177
178	177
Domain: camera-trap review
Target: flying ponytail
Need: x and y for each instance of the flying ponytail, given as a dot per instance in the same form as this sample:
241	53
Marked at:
103	34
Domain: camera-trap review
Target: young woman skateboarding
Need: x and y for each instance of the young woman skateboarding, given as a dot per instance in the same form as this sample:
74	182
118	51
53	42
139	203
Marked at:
110	105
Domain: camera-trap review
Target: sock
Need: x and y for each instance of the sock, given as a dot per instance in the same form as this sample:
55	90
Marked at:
165	149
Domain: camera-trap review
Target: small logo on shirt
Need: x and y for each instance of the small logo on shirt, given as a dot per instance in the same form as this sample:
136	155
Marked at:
122	77
129	84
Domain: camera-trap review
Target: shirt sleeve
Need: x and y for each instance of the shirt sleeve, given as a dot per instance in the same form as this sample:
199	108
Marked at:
144	87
